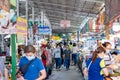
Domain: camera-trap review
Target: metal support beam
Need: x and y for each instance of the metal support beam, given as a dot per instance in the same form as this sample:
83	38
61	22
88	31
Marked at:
13	48
61	28
38	19
78	36
57	16
26	18
95	1
62	31
33	15
17	7
13	51
62	18
27	9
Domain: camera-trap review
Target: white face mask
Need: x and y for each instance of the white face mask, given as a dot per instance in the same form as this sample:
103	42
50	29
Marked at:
30	57
108	51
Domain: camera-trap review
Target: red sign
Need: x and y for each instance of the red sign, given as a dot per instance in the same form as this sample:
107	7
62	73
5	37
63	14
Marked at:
64	23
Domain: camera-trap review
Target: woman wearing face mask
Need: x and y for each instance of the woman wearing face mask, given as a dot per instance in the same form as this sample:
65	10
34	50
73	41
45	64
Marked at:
108	57
96	68
36	70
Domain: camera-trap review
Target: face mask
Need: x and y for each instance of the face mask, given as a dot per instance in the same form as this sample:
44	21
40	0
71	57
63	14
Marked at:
108	51
30	57
102	56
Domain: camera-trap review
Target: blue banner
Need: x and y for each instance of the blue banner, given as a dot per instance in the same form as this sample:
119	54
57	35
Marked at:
45	30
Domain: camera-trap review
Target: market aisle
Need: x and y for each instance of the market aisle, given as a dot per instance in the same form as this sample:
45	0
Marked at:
72	74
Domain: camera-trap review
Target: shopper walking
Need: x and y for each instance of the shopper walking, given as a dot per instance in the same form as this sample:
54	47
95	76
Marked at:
57	55
61	50
74	54
71	46
67	53
96	68
44	57
35	70
49	61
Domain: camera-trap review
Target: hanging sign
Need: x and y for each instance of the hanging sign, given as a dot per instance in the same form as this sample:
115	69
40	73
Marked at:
21	30
5	5
45	27
45	30
64	23
7	22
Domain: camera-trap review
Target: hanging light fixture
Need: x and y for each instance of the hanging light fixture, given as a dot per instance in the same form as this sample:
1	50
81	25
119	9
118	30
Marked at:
116	26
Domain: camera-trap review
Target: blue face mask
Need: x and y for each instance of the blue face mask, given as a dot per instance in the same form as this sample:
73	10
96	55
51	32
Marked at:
30	57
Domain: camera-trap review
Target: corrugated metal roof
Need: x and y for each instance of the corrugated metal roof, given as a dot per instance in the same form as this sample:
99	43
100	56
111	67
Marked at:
57	10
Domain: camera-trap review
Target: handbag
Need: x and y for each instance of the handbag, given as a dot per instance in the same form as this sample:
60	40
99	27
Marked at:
23	69
43	56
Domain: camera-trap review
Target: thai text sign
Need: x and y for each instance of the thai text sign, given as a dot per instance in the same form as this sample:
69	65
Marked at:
45	30
21	30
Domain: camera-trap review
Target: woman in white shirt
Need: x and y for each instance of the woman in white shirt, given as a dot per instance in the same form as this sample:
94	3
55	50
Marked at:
74	54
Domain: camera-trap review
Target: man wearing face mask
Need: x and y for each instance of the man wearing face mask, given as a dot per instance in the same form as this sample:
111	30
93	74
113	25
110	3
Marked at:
35	68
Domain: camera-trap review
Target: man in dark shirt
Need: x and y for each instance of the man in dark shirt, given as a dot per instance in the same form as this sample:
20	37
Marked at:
67	53
62	53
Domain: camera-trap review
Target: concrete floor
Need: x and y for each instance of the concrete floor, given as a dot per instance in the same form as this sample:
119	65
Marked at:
72	74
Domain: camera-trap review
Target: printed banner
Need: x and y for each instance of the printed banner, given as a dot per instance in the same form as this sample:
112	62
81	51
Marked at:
45	30
8	22
21	30
45	25
5	5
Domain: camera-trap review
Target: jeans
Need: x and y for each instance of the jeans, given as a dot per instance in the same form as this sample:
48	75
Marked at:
58	62
67	63
74	56
46	68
